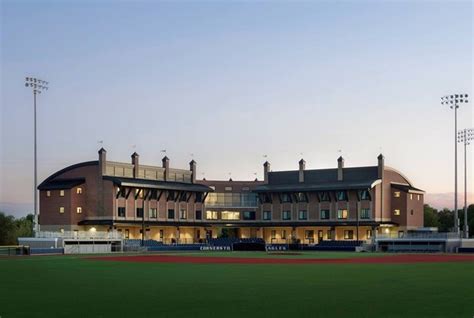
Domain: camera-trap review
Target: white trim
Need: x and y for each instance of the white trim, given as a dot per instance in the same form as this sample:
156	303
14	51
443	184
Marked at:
401	174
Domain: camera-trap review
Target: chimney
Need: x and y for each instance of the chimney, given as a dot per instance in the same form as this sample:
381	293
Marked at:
380	165
301	173
102	160
192	168
135	163
340	166
266	170
166	165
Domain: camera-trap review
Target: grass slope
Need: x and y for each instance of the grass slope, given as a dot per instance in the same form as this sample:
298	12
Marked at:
68	286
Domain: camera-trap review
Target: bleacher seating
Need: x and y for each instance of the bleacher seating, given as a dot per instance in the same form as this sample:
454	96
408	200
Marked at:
138	242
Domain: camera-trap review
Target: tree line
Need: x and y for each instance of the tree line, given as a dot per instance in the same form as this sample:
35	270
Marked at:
444	219
11	229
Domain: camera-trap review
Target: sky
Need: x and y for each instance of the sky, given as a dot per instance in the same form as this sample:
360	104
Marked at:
232	84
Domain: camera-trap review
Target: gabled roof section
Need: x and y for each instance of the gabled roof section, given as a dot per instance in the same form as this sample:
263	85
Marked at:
155	184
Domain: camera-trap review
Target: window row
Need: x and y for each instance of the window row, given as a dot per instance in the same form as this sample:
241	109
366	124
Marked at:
155	194
231	199
323	196
397	194
78	210
324	214
61	192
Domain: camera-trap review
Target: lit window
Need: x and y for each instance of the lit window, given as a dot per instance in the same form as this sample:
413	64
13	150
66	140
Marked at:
273	234
324	214
139	193
286	215
330	234
211	215
267	215
228	189
396	212
79	190
183	214
62	230
79	210
61	193
309	235
342	214
230	215
411	196
152	213
48	193
396	194
418	197
302	215
61	209
365	213
348	234
369	234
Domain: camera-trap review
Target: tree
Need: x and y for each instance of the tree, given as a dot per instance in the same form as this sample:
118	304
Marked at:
431	218
11	229
446	222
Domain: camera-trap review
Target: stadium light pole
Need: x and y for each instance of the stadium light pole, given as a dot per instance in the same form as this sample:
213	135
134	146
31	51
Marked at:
37	86
465	136
453	102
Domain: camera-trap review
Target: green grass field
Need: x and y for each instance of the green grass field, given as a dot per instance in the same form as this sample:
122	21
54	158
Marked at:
72	286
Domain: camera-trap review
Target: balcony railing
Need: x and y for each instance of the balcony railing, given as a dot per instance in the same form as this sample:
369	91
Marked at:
419	235
114	235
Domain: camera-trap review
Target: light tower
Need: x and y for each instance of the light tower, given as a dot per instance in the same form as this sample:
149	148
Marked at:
453	102
37	86
465	136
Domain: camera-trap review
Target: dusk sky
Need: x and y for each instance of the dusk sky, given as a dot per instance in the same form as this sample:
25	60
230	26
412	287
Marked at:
230	82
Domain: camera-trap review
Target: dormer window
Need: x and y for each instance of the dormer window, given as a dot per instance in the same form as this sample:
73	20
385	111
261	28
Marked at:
364	195
265	198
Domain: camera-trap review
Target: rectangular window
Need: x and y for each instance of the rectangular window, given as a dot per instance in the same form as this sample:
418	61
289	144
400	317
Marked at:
61	209
139	193
396	194
324	214
127	233
411	196
139	212
199	197
48	193
302	215
79	190
230	215
249	215
170	214
211	215
267	215
286	215
265	198
198	215
418	197
309	235
183	214
348	234
171	196
396	212
369	234
273	234
162	234
330	234
283	234
121	211
342	214
61	193
365	214
341	195
79	210
153	213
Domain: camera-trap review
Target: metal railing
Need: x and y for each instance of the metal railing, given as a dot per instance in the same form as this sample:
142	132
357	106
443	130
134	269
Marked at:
418	235
113	235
